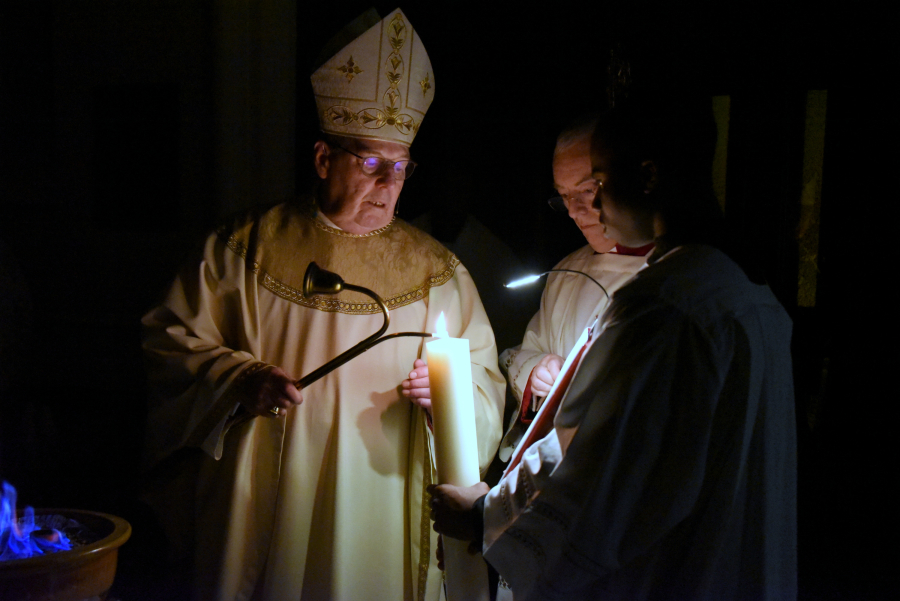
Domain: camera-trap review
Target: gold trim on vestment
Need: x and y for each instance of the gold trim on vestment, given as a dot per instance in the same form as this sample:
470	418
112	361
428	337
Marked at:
397	262
425	522
340	232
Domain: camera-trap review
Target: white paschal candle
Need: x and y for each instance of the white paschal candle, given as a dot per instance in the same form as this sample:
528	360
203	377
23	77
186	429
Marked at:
452	408
455	450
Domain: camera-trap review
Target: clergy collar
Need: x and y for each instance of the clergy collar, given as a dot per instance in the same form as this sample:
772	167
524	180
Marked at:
321	217
640	251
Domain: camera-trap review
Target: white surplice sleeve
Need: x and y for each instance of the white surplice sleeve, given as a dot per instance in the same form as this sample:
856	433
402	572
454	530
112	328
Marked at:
519	361
506	501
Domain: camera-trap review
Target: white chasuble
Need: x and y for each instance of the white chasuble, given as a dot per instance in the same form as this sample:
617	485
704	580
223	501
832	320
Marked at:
327	502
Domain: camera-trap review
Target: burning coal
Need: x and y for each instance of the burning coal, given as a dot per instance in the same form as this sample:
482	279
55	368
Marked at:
21	537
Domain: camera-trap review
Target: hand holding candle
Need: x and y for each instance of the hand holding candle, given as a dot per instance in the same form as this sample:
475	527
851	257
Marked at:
417	388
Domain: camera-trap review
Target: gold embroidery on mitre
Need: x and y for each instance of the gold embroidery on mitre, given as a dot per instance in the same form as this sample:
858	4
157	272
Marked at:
426	84
392	100
350	69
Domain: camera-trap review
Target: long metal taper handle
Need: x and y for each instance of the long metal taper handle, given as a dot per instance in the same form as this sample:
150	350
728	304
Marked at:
356	349
243	416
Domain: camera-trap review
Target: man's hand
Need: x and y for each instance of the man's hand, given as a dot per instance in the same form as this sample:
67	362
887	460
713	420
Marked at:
545	373
416	387
452	507
267	389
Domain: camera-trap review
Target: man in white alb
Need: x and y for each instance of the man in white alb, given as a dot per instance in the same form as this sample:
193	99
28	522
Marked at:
570	302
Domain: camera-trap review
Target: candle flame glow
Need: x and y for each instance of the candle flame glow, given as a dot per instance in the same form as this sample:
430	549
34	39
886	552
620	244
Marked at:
440	328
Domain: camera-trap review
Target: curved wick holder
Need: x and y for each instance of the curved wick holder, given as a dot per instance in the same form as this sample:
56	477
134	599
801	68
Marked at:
319	281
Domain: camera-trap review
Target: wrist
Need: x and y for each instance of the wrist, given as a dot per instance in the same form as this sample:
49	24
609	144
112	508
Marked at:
478	521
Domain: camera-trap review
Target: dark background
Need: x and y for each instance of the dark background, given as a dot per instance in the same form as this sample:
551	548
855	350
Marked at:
111	126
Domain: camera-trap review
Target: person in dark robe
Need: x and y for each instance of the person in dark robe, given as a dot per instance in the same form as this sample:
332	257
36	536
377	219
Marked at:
669	469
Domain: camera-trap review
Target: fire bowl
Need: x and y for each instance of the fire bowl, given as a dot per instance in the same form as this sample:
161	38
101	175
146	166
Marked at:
84	573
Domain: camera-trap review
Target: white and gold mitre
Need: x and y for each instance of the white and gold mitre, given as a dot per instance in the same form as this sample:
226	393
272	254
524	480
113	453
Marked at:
378	86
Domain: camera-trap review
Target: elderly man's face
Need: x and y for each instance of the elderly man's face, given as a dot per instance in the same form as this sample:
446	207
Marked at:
572	179
356	202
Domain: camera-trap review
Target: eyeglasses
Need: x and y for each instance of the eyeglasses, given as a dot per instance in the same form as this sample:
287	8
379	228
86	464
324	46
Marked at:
586	196
401	170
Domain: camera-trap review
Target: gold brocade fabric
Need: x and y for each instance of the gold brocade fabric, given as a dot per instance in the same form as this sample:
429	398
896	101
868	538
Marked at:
397	262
